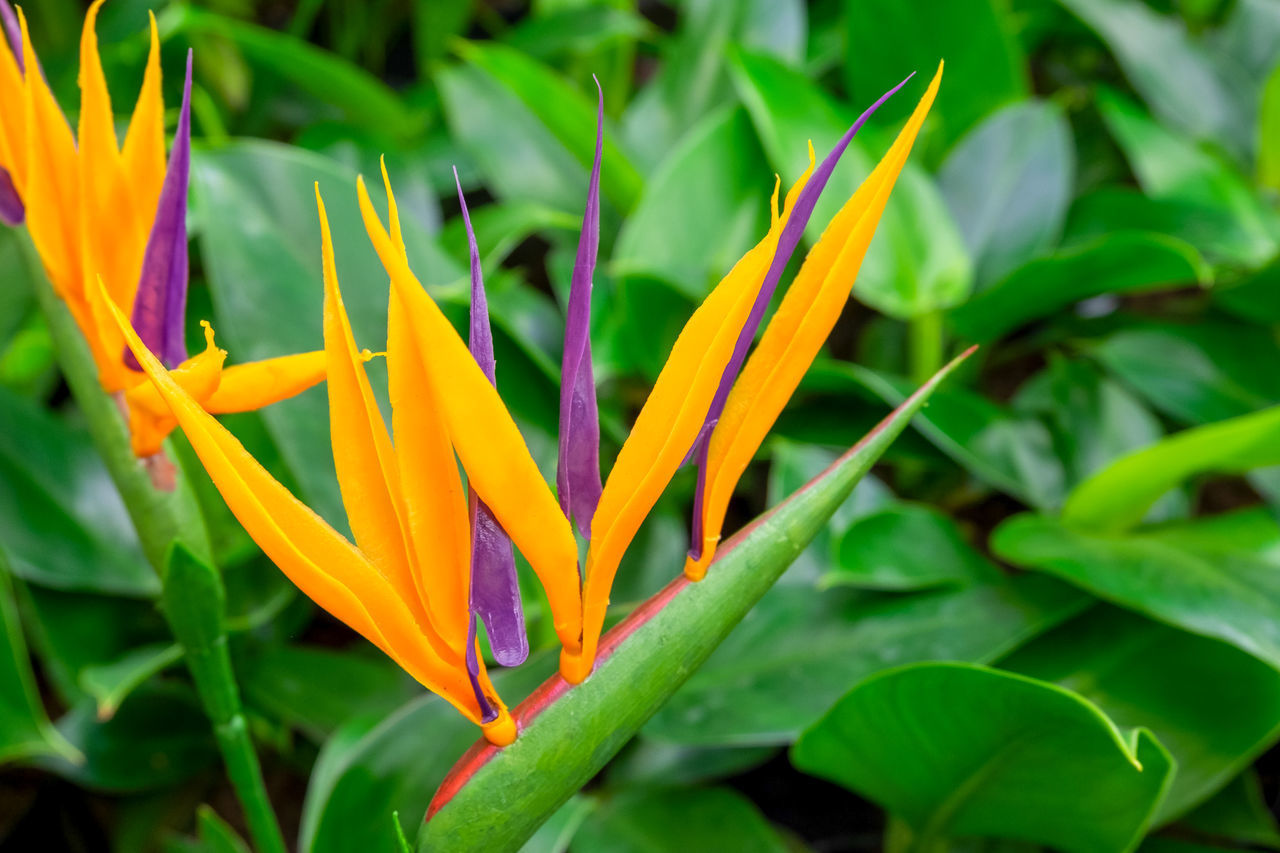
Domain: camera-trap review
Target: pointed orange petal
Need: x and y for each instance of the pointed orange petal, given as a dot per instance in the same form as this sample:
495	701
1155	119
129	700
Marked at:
432	485
50	189
367	471
486	439
325	566
249	387
667	425
791	341
143	151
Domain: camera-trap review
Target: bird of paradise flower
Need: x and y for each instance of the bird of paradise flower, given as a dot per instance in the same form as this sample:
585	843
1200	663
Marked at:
96	209
429	558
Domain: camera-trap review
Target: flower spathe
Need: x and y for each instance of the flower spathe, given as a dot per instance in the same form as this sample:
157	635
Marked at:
409	582
101	213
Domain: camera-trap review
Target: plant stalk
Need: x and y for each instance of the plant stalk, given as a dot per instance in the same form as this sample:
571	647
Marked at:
163	519
924	346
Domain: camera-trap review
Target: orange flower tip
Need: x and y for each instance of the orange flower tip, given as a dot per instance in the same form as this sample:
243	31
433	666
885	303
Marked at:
695	570
367	355
501	731
575	667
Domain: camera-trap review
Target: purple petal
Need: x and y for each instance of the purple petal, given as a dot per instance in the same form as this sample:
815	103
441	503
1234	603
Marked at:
487	712
578	472
495	590
13	30
160	306
11	210
787	242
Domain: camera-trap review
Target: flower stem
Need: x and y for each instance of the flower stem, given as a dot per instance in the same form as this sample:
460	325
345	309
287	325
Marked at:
164	520
924	346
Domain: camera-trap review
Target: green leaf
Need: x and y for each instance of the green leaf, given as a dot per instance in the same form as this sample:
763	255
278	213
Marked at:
704	206
213	835
332	81
1195	373
1212	706
554	835
1182	82
1008	183
1237	814
25	730
1118	496
650	763
500	228
62	522
576	30
565	110
889	39
1118	263
700	819
1269	133
1169	574
906	547
294	684
571	738
958	751
1170	167
801	649
110	683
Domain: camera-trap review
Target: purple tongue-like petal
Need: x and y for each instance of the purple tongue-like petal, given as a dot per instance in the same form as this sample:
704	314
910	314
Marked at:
487	712
11	210
787	242
495	591
160	306
578	472
13	30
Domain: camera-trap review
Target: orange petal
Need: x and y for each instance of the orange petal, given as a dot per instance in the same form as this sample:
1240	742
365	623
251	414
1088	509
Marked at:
50	190
150	418
366	464
432	486
143	153
796	333
324	565
249	387
668	424
486	439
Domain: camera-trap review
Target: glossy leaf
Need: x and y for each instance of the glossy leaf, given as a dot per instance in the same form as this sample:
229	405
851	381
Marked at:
1205	588
959	751
1213	707
110	683
1008	183
1119	263
701	819
1238	814
1118	496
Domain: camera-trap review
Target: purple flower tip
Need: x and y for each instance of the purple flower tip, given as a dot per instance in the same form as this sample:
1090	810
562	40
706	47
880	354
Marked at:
160	306
13	30
578	472
495	589
12	211
787	242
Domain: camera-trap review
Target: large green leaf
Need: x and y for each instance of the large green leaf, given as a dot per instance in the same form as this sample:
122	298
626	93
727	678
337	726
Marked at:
705	205
801	649
567	112
1181	80
889	39
1119	496
1172	574
1117	263
643	821
574	732
25	730
1238	814
62	523
1008	183
959	751
1171	167
1212	706
1269	133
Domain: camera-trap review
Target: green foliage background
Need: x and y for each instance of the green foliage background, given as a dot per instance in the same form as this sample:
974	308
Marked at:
1083	523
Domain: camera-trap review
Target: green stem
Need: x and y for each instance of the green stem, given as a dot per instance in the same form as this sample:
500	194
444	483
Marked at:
164	519
924	346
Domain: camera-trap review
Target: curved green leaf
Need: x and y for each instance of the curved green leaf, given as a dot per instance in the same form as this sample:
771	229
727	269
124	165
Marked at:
642	821
959	751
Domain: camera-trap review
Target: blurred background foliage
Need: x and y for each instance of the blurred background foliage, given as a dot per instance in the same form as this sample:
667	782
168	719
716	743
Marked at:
1094	199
